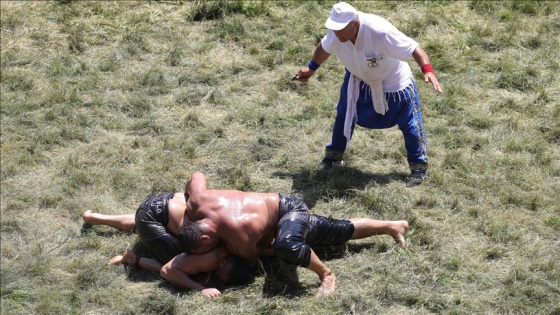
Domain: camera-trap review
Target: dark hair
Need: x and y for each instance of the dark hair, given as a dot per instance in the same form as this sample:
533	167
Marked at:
238	271
189	236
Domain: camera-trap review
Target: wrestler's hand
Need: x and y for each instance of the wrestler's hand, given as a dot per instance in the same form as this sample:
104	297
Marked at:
210	292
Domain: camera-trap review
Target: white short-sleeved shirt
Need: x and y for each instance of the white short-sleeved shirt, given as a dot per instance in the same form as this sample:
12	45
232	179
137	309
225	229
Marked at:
381	52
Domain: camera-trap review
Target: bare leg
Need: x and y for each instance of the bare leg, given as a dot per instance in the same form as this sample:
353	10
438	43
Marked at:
328	279
367	227
123	222
129	258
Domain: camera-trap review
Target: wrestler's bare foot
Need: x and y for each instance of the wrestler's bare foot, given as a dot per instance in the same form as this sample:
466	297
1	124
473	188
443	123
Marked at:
398	232
116	260
87	217
328	284
90	217
129	258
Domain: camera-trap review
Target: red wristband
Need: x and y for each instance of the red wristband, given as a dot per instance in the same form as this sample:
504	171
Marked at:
427	68
137	261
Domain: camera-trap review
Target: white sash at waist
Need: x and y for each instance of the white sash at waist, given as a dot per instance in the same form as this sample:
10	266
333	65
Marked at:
353	93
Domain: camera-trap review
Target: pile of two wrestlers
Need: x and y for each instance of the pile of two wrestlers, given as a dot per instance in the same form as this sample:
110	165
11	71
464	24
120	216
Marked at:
224	232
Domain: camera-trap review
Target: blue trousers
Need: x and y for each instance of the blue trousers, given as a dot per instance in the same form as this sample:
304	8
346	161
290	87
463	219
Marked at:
404	111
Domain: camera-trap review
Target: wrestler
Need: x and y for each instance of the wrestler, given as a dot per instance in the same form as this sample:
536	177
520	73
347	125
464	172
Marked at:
245	221
290	231
249	223
157	222
229	269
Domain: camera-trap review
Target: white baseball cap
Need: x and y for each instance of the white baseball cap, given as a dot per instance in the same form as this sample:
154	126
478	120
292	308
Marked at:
341	14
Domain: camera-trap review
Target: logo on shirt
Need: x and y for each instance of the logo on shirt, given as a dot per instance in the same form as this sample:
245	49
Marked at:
372	62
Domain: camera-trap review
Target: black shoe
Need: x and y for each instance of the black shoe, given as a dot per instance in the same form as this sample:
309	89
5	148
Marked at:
417	173
327	163
416	178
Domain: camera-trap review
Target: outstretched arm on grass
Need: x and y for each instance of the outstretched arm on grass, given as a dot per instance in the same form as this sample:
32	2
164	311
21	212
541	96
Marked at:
180	268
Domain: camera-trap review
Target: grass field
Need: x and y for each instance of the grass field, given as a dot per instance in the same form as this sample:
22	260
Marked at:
103	103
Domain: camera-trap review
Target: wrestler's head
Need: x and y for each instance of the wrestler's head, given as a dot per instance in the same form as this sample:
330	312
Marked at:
233	270
194	239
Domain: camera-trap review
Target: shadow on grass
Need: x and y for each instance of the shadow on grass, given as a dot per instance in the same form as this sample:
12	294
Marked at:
314	185
326	253
281	279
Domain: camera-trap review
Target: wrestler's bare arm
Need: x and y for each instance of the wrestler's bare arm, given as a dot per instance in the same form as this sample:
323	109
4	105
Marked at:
195	184
193	264
178	270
